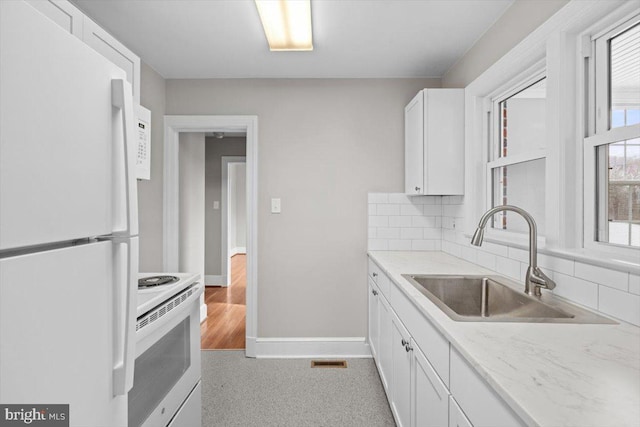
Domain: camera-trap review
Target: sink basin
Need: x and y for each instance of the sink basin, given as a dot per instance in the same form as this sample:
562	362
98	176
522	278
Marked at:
496	299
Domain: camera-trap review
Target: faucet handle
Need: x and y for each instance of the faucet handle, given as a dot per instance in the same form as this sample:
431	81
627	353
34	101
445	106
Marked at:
535	280
542	279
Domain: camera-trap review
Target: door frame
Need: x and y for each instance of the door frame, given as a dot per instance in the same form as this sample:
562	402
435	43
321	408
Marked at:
173	125
224	208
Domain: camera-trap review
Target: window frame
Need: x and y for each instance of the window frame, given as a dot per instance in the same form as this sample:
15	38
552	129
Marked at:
561	46
597	131
531	76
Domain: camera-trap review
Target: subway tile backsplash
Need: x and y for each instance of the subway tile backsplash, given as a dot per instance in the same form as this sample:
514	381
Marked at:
433	223
398	222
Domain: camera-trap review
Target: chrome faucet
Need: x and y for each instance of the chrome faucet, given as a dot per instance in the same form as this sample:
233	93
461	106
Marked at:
535	278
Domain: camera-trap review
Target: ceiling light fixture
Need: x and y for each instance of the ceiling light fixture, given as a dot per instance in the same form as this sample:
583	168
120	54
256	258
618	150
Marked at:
286	23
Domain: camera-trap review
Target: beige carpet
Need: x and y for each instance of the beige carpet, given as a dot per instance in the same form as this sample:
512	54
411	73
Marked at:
237	391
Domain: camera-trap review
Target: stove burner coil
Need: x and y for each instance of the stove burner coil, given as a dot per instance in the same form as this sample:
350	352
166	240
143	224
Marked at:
153	281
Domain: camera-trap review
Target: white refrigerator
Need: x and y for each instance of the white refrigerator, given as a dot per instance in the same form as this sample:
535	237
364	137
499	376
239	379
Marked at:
68	223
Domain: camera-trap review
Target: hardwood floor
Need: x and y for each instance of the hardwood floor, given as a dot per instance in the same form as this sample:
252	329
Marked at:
224	328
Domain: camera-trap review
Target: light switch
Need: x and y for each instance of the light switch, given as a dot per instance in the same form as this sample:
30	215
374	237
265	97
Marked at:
275	206
216	204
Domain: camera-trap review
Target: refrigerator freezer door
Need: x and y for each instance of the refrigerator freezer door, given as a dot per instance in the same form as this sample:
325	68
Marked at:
57	330
60	133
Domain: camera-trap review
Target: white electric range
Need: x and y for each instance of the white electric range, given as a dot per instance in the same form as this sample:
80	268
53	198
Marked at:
166	384
155	288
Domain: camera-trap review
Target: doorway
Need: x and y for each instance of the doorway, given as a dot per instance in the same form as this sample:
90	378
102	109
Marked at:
225	277
174	125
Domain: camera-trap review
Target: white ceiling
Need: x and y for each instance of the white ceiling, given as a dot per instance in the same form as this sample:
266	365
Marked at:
352	38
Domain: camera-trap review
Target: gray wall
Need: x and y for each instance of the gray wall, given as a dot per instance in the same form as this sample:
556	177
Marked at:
323	145
215	149
237	205
191	156
522	17
152	96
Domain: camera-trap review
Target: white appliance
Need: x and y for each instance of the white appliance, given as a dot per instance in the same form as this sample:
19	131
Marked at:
68	223
166	390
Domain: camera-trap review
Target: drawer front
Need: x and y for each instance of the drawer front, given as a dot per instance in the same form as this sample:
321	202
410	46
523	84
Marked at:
380	278
431	342
480	403
374	270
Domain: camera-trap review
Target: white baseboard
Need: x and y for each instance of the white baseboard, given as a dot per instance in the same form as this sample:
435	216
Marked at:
210	280
203	312
289	348
236	251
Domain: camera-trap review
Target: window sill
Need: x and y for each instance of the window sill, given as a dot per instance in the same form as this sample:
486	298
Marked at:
627	264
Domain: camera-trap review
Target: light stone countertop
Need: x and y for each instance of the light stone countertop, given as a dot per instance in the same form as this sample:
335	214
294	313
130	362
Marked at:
550	374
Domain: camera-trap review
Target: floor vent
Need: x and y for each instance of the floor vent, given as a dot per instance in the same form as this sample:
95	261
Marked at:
328	363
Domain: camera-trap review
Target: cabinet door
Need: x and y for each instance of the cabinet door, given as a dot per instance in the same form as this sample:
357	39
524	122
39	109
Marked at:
384	342
401	380
62	13
480	403
414	146
374	321
105	44
429	396
444	141
456	416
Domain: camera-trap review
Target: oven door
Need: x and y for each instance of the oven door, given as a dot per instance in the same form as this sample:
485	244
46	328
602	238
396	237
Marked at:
167	366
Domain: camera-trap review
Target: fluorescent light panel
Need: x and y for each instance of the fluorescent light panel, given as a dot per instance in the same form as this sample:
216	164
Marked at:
286	23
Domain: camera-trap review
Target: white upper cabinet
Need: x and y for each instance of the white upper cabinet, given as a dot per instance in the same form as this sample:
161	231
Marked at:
114	51
434	143
62	13
74	21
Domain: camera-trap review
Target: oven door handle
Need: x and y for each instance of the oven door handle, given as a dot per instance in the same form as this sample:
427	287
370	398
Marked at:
124	313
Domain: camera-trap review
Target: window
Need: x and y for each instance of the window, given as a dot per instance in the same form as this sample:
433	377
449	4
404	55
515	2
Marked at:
612	148
516	168
572	157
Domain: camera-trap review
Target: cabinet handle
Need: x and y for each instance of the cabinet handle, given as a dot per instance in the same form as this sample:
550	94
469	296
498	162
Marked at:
404	343
375	292
417	188
408	348
375	274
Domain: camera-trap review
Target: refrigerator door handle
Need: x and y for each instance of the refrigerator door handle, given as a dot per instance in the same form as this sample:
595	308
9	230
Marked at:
125	155
124	312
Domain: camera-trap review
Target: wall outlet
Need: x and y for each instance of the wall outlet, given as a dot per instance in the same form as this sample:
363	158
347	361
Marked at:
275	206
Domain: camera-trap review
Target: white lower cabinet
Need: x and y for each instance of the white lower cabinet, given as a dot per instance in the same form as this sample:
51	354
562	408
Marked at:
374	319
427	381
380	332
482	406
401	375
456	416
418	397
384	343
429	395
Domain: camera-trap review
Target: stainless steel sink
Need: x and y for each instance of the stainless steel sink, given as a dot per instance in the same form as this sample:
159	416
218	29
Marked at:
496	299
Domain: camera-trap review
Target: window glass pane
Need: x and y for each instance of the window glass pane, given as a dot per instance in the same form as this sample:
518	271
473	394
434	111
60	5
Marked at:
522	185
619	193
522	121
625	78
